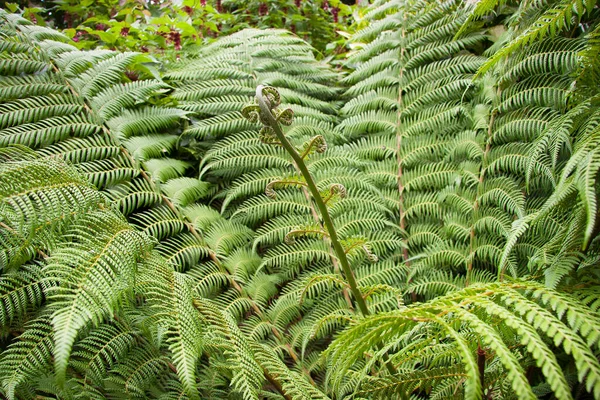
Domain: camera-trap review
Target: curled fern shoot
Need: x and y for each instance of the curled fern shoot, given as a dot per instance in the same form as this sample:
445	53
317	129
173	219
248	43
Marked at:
266	112
268	99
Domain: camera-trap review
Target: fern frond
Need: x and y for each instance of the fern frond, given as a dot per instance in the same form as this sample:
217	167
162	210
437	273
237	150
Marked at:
550	24
29	356
90	279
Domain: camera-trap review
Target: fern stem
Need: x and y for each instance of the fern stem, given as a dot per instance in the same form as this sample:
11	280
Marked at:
318	200
312	187
481	365
276	385
399	145
334	261
402	223
475	201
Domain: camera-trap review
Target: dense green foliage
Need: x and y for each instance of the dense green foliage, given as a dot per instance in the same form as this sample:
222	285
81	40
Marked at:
173	27
426	228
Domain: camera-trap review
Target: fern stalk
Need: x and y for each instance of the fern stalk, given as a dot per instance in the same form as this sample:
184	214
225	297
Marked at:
312	187
270	120
334	261
481	365
479	185
399	146
276	385
405	255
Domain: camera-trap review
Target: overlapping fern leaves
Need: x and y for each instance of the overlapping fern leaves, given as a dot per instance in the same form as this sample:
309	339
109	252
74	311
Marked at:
90	260
411	104
476	169
435	344
461	176
105	124
261	188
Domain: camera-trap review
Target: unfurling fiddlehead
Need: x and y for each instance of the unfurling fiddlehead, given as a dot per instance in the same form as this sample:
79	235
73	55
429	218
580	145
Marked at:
304	231
316	144
335	189
281	183
267	113
268	99
358	245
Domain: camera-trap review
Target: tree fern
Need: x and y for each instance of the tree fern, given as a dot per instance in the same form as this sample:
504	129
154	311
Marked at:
237	155
458	164
131	194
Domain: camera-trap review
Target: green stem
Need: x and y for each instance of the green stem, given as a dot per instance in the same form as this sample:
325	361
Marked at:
310	183
335	242
337	246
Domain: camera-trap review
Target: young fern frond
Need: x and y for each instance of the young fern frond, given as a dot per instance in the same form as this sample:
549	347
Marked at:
268	99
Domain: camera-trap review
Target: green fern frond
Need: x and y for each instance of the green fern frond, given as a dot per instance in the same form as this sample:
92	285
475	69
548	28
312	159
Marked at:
90	280
29	356
21	292
512	304
550	24
98	352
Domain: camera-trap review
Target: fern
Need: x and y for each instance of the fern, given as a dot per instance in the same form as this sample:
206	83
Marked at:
549	24
154	246
462	314
101	159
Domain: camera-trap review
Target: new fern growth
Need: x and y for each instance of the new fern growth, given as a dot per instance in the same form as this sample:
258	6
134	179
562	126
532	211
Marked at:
271	117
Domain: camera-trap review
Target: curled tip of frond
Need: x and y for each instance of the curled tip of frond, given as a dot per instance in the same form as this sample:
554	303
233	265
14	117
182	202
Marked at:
372	257
267	136
271	96
290	237
293	181
339	189
320	144
254	114
304	231
270	189
251	112
316	144
285	117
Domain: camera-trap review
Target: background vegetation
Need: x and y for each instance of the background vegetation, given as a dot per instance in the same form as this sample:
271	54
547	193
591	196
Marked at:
161	239
167	26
